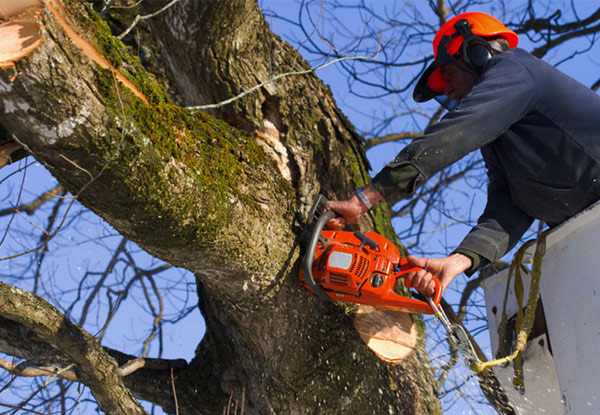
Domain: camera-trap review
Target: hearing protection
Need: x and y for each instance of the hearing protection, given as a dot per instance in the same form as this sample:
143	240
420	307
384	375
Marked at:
475	50
464	36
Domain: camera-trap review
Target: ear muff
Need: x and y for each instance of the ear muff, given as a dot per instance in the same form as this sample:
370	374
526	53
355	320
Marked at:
477	54
476	51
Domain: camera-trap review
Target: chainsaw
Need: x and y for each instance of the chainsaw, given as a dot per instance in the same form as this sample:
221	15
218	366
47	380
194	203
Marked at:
355	267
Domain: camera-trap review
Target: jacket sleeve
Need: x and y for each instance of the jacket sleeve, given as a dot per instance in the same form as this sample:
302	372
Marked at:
501	225
503	95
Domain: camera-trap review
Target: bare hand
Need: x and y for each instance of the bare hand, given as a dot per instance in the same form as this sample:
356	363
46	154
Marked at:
349	210
444	269
352	209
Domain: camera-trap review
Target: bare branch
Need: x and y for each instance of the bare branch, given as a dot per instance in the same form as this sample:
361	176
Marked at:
31	207
372	142
20	408
139	18
275	79
16	370
109	268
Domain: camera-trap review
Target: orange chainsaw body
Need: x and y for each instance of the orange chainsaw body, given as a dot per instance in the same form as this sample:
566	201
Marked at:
346	268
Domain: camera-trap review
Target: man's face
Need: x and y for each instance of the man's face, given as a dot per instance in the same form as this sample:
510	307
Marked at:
458	81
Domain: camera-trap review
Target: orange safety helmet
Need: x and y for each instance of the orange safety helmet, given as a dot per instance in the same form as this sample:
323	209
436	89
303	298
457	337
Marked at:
465	32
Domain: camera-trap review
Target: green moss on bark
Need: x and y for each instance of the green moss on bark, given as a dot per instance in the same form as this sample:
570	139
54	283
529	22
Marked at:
168	154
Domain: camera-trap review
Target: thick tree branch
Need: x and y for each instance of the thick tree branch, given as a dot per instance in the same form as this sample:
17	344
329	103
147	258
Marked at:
194	191
130	367
146	378
95	367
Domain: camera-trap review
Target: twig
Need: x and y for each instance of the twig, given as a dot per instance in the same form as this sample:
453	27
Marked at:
243	400
148	16
276	78
229	403
158	316
372	142
109	267
174	393
62	156
59	373
18	200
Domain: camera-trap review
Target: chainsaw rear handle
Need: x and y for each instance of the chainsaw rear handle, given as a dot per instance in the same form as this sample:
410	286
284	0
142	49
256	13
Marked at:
310	254
405	269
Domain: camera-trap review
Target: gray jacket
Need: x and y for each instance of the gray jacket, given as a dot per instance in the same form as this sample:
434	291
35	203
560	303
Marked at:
539	135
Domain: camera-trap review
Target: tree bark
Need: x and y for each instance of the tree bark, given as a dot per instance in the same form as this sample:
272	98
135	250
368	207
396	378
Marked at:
216	196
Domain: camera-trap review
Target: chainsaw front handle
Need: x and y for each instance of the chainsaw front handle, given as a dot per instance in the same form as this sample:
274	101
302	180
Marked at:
310	254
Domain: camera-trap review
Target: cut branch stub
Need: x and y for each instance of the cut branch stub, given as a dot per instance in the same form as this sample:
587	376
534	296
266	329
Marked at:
20	30
391	335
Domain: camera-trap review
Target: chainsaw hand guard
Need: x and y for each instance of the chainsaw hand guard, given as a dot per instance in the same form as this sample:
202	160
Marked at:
355	267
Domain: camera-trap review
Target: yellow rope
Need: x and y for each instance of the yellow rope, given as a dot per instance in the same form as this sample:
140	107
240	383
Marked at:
525	320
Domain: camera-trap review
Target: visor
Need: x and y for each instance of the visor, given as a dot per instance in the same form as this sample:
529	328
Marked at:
431	83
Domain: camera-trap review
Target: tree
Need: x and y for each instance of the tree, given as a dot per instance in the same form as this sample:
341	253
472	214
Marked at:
218	198
221	199
432	223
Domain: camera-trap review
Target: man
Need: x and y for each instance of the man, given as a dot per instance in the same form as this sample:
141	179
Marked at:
538	131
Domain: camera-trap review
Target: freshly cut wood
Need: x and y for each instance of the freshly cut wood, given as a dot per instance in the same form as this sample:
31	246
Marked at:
20	32
10	8
391	335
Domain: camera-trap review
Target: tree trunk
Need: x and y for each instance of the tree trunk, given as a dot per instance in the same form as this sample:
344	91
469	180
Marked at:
216	196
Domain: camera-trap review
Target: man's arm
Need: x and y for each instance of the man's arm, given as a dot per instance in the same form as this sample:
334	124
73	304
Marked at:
498	230
502	224
504	94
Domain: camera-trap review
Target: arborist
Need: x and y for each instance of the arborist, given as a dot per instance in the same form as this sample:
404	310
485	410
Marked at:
538	131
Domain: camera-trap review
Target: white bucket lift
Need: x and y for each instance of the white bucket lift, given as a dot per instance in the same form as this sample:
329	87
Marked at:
561	367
